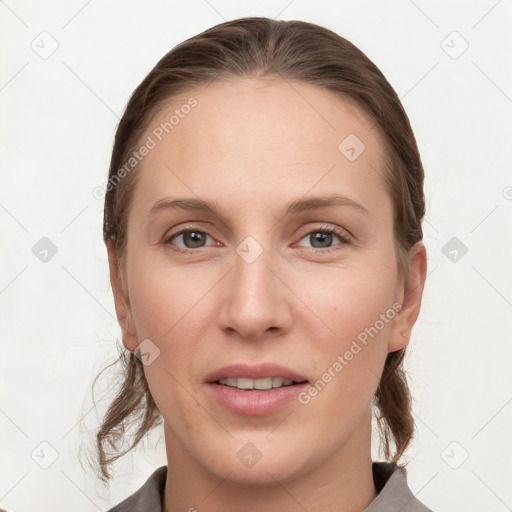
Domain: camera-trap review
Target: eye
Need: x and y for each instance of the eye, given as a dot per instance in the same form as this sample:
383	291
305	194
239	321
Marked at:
194	239
322	238
191	238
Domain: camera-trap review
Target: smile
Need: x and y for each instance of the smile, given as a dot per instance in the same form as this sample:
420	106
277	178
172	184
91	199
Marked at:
256	384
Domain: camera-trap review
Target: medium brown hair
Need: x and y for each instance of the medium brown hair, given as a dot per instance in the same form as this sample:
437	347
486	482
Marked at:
295	51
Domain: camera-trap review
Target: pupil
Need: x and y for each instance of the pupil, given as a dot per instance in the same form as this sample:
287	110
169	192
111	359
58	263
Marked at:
194	237
322	237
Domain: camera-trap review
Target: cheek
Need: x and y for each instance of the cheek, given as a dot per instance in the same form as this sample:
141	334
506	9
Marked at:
164	298
347	301
355	308
170	308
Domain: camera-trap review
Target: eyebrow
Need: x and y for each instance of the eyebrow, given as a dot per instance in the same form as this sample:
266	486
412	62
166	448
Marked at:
296	206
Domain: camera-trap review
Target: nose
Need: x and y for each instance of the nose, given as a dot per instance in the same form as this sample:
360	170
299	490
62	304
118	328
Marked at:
255	299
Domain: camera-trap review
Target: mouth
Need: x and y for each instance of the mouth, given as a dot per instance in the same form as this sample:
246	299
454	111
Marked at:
262	377
254	390
263	384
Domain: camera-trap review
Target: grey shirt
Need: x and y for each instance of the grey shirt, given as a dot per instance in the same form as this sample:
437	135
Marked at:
390	481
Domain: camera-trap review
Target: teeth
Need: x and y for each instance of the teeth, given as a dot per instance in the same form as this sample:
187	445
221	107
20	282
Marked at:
260	384
265	383
277	382
245	383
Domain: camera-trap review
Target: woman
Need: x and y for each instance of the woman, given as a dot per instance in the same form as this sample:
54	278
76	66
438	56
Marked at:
263	226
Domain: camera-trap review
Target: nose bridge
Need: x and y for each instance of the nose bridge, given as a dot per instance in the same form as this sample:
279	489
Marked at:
253	302
252	278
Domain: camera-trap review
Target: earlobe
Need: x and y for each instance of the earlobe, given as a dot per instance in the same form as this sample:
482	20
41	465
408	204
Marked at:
121	301
404	321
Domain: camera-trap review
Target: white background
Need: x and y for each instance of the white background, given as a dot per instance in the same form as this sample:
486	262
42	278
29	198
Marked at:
58	325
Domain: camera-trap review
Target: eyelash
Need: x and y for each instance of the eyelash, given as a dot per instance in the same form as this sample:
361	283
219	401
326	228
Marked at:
345	239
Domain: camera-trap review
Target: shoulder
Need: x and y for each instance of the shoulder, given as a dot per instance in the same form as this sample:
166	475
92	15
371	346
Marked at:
148	498
394	492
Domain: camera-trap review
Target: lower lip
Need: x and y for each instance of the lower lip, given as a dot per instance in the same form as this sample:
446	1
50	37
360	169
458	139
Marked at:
255	402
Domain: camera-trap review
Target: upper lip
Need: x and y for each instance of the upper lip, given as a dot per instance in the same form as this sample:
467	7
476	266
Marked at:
259	371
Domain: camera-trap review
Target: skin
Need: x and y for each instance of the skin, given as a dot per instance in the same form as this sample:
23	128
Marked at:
254	145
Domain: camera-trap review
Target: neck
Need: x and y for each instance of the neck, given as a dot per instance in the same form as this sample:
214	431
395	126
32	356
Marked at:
342	482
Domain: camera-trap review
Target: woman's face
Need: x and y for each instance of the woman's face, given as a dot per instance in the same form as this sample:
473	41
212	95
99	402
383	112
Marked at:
254	279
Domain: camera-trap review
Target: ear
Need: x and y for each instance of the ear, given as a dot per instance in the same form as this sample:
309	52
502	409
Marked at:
121	300
411	293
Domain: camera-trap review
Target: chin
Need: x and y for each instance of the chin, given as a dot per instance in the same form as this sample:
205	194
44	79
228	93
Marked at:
258	463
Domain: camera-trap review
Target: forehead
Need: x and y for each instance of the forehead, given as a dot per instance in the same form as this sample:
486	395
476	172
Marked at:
263	137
